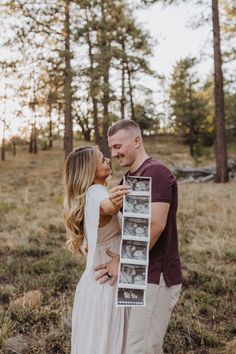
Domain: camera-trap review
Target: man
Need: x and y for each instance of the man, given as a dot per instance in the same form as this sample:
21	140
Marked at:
148	325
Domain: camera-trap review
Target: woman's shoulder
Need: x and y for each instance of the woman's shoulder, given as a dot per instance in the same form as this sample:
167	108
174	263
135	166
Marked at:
97	190
97	187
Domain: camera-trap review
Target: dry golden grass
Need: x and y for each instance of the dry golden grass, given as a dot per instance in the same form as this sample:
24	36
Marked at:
34	257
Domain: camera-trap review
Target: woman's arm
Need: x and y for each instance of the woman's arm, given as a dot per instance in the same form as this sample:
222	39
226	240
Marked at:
112	205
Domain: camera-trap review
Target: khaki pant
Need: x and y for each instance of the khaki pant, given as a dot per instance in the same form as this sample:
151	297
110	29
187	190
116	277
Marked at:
148	324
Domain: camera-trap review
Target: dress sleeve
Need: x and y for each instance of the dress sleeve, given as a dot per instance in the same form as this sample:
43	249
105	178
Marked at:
95	194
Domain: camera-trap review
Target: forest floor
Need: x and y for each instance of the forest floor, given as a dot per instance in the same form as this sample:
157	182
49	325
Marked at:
38	275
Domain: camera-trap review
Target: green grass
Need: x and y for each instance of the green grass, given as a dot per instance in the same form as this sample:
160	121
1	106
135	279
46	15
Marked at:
33	256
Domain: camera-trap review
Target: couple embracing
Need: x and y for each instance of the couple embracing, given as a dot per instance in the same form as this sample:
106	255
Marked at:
92	217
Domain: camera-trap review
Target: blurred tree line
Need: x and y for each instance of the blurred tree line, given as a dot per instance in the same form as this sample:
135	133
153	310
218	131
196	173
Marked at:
83	64
219	99
85	58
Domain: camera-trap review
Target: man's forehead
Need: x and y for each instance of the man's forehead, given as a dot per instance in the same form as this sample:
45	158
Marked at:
121	135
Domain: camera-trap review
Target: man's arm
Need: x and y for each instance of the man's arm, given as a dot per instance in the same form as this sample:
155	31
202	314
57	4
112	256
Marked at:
110	267
159	216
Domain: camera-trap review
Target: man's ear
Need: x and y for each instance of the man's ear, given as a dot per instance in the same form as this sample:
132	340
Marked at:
137	141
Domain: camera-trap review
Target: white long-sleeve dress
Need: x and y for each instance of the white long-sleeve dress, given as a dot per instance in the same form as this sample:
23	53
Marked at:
98	326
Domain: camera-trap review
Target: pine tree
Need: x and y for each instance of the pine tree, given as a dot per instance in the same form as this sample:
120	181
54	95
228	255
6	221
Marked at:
189	108
221	148
42	32
220	142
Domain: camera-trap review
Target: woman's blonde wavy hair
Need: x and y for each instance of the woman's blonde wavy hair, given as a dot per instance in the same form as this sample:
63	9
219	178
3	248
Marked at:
79	174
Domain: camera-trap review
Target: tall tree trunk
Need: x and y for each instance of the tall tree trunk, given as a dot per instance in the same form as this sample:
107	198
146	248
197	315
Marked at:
68	133
105	55
221	149
83	122
133	117
59	118
95	120
122	100
106	99
87	135
3	155
50	137
14	145
191	127
31	140
191	149
93	89
35	146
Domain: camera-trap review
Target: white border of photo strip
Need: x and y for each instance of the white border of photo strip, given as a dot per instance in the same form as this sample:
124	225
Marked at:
130	293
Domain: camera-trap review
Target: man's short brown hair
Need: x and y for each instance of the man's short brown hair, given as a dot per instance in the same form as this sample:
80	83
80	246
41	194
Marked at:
123	124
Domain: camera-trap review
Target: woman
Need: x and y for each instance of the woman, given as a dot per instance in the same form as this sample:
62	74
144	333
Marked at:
98	326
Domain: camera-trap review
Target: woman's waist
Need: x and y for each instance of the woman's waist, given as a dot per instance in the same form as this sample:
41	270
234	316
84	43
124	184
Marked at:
100	254
114	239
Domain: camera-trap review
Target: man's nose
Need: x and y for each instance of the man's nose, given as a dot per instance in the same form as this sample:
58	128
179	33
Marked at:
114	153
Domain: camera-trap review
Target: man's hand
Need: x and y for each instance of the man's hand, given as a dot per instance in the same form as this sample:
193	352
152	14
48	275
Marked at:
109	270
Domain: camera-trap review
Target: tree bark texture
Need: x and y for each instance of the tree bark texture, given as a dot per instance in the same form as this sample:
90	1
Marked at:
122	100
68	123
220	143
93	86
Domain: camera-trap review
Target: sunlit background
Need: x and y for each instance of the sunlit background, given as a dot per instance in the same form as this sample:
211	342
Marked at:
174	35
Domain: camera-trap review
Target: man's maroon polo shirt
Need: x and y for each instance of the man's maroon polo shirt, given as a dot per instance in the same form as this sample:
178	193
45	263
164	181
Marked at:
164	256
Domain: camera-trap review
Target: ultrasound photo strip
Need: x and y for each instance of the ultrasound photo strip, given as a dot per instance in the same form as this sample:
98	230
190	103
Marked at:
134	250
130	297
135	228
137	204
138	184
134	274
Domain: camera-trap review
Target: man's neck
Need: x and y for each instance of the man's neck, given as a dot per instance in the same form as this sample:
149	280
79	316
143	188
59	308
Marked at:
139	161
